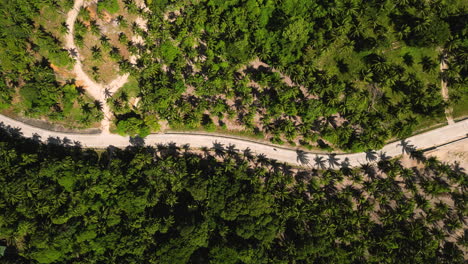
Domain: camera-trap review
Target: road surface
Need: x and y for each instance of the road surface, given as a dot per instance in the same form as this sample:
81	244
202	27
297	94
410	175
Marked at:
425	140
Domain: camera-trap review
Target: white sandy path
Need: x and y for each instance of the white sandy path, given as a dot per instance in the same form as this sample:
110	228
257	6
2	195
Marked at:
426	140
96	90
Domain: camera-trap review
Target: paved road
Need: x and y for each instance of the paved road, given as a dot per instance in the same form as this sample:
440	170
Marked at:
426	140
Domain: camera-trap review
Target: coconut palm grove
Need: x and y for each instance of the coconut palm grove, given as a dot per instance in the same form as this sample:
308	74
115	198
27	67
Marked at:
320	77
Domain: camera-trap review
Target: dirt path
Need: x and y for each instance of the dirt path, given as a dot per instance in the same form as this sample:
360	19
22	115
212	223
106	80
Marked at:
445	94
97	90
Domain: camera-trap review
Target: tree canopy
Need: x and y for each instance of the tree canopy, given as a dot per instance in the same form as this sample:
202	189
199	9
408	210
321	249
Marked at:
64	204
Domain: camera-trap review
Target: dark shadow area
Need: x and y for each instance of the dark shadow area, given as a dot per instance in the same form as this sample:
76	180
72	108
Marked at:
53	146
342	66
302	157
219	149
383	156
137	141
170	182
320	162
345	163
333	161
406	147
371	155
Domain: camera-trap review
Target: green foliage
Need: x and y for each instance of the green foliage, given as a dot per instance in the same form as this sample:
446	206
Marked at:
142	205
40	91
5	93
354	73
372	66
111	6
133	126
46	255
169	52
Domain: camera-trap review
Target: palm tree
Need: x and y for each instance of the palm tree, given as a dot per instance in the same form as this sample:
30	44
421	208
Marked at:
64	28
95	72
95	30
121	21
96	53
86	108
427	64
417	155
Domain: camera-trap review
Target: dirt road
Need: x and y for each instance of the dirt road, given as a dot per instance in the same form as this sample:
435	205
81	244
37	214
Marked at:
426	140
97	90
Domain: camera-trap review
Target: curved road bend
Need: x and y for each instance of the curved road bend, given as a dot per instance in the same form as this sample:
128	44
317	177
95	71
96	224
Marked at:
425	140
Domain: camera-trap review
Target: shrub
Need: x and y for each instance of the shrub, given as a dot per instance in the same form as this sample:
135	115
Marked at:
111	6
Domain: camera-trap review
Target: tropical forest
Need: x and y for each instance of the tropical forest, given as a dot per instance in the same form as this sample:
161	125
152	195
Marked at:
233	131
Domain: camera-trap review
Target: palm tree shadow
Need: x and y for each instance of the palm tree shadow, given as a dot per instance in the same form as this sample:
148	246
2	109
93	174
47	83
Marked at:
383	156
107	93
11	131
302	157
417	155
137	141
36	138
262	159
173	149
98	105
206	151
345	163
457	168
58	141
333	161
231	150
186	148
73	52
406	147
248	154
219	149
371	155
319	162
